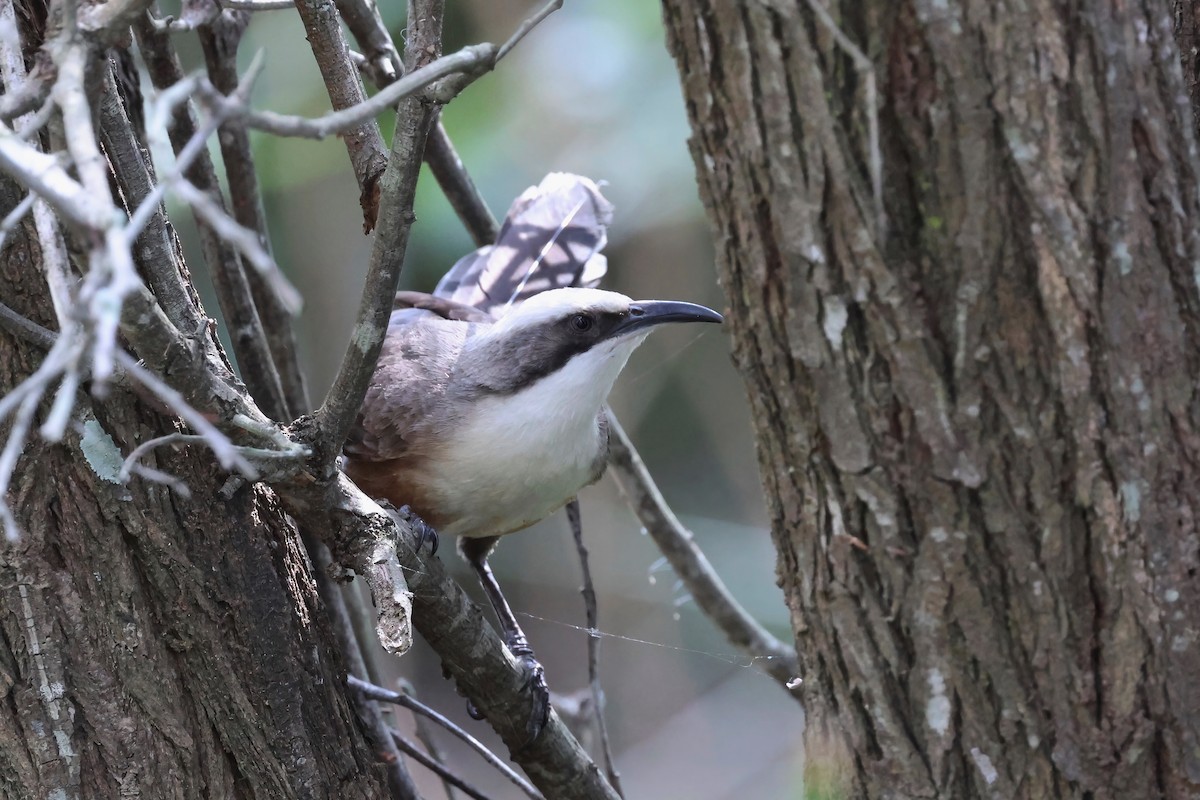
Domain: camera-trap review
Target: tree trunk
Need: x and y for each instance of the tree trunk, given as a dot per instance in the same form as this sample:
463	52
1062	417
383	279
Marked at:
150	645
978	428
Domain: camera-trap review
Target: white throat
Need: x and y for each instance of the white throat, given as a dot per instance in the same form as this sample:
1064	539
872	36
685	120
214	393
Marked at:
525	454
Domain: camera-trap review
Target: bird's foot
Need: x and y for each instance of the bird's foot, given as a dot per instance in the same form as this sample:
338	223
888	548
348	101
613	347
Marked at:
535	684
425	534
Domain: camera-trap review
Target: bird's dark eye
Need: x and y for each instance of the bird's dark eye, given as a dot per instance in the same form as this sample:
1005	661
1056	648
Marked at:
581	323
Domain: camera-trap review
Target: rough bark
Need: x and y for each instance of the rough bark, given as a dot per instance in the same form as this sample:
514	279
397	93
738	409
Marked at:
150	645
978	430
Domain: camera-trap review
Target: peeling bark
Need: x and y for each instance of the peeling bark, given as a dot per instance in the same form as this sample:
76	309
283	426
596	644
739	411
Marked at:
977	434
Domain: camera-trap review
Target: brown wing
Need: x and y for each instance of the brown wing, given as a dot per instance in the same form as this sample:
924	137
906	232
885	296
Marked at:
443	307
419	354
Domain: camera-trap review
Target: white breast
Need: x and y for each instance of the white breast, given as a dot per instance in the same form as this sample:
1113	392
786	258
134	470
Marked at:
516	459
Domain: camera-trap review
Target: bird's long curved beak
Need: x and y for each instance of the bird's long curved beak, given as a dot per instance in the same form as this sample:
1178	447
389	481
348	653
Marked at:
646	313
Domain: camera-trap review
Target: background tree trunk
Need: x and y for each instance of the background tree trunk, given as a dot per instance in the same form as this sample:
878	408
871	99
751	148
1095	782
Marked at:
978	430
153	646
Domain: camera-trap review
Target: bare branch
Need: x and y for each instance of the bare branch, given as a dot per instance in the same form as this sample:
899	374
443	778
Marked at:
26	97
289	451
163	110
416	706
224	262
26	329
44	174
473	60
397	189
381	62
153	250
450	173
176	485
258	5
74	61
593	646
245	240
139	452
111	15
364	143
220	42
433	766
377	732
676	543
470	649
228	455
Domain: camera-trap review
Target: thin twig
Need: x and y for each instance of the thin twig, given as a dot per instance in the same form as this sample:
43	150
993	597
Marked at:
250	453
433	766
472	59
424	730
676	543
176	485
593	646
528	25
14	217
131	461
162	111
373	663
417	707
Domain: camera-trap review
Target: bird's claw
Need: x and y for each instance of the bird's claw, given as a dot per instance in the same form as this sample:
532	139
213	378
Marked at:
535	683
425	534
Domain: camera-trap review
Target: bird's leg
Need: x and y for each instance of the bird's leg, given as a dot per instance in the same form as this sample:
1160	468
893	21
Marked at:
476	551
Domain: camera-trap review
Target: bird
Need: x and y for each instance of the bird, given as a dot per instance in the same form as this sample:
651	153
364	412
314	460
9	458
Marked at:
485	417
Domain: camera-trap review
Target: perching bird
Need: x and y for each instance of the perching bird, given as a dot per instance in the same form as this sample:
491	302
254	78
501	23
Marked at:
486	416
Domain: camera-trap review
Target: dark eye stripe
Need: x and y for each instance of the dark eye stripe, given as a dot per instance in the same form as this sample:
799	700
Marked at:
542	351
